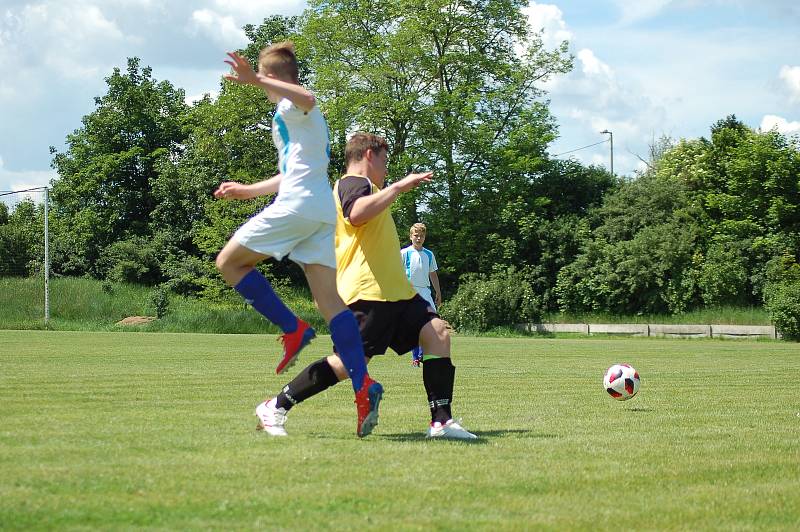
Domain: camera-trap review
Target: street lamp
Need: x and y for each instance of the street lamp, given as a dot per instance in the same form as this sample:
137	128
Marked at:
611	138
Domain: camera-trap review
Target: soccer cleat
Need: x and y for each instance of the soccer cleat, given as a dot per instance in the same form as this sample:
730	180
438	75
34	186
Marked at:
450	430
293	343
367	400
270	418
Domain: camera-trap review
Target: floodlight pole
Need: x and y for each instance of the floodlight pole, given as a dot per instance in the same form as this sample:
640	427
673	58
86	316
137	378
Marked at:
46	256
611	139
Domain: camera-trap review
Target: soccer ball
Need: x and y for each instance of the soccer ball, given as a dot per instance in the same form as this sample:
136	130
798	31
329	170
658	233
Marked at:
621	382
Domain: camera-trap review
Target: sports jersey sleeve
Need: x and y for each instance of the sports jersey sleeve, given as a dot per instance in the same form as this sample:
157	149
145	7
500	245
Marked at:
290	113
350	189
433	266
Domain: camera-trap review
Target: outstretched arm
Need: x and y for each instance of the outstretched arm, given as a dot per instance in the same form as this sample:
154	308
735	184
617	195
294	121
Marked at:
435	283
368	207
244	74
234	190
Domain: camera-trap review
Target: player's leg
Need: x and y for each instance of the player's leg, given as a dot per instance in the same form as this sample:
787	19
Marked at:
316	254
343	325
271	233
438	376
237	264
417	353
313	379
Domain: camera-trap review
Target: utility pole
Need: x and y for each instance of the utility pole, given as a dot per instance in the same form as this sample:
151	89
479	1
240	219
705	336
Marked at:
611	139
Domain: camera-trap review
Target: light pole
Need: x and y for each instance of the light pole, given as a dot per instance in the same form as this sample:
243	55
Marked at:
611	138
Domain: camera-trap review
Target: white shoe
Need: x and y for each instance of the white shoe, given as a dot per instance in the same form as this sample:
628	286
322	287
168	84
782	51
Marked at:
270	418
451	430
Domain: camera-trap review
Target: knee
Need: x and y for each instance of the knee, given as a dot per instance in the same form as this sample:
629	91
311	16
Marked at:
221	261
441	330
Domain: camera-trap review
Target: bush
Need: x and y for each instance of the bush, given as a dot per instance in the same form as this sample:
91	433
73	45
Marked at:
783	304
159	298
131	261
502	299
782	295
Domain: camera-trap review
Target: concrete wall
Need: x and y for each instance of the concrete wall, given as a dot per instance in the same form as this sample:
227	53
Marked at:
674	331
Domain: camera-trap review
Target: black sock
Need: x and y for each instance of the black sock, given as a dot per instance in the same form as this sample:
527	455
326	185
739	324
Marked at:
316	377
438	375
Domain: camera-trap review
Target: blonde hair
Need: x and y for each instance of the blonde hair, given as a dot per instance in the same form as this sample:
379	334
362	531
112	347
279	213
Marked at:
279	60
418	228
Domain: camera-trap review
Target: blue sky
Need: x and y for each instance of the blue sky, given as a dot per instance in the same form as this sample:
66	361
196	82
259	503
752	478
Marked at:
642	68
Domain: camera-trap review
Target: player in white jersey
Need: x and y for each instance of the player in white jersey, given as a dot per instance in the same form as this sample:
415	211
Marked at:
420	266
300	223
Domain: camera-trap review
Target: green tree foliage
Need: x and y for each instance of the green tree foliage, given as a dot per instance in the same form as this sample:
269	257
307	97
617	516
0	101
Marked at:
453	86
503	298
21	238
699	227
104	193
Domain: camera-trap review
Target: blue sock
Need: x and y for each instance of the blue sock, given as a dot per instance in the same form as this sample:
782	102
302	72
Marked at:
256	290
347	339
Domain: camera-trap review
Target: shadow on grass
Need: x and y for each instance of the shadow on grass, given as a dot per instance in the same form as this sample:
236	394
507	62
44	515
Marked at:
639	409
483	436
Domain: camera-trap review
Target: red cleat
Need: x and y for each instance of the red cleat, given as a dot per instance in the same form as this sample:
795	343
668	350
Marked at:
367	400
293	343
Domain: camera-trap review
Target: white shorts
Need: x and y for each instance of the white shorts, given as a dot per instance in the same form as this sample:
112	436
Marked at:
425	292
277	233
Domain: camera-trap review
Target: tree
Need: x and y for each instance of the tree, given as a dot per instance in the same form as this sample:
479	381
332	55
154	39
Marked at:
104	190
453	86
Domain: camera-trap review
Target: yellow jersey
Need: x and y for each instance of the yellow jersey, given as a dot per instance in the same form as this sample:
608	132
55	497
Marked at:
368	265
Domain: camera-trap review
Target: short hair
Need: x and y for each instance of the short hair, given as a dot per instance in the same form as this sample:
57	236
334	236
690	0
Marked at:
358	145
418	228
279	60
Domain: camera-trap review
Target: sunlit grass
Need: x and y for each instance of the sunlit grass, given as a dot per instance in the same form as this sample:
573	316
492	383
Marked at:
120	430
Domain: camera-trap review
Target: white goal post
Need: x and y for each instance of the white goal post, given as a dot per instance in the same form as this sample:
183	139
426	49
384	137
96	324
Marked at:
18	260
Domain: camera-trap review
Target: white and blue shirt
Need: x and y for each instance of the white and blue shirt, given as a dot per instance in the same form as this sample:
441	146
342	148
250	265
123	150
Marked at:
418	265
303	154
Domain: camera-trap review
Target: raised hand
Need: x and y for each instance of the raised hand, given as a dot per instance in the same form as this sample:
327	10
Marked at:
242	71
231	190
412	181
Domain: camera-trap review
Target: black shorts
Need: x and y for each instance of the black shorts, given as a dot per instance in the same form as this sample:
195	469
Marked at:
394	324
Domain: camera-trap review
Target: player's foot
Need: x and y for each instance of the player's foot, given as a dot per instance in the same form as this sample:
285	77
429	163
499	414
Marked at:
451	430
293	343
367	400
416	356
271	419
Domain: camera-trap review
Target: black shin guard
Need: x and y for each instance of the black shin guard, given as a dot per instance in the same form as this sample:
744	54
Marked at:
438	375
316	377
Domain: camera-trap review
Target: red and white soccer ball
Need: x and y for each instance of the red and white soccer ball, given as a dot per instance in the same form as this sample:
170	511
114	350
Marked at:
621	382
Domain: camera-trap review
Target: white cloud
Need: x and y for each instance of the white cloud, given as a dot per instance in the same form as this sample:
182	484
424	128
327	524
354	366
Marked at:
592	66
791	77
770	122
548	17
23	180
221	28
223	20
255	10
634	11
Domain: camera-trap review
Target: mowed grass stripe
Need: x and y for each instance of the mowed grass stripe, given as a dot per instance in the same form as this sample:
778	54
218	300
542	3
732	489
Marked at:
120	430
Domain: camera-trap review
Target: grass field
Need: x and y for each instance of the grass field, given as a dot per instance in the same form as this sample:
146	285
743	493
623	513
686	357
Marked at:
125	430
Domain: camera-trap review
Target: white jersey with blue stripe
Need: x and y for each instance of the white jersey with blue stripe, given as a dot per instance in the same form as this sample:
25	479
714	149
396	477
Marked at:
303	153
418	265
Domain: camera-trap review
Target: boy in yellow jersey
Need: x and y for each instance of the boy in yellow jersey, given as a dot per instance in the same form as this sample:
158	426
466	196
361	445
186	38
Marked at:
373	283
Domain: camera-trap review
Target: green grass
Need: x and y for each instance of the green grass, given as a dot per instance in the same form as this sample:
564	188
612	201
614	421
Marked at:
80	304
122	430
